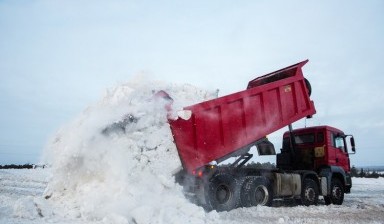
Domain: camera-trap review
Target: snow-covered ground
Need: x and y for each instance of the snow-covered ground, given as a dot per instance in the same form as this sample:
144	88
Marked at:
21	201
103	170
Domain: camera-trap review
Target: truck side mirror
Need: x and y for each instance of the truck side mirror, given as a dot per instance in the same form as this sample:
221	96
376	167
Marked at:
353	144
265	147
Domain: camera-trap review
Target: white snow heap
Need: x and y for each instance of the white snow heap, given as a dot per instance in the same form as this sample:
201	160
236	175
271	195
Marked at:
123	175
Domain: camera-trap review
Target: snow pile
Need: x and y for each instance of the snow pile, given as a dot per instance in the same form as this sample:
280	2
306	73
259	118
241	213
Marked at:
124	176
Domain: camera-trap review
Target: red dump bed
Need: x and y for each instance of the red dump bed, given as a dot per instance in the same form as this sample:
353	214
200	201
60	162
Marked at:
220	127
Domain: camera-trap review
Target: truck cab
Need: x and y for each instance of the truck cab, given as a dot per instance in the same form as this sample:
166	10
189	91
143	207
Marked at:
316	147
322	149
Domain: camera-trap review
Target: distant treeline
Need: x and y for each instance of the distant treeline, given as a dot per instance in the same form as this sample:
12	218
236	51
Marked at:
25	166
367	173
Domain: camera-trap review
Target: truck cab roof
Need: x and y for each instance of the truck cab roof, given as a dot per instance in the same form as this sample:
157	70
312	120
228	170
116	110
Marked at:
314	129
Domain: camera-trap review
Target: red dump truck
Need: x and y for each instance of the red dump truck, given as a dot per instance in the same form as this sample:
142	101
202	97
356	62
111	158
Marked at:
313	161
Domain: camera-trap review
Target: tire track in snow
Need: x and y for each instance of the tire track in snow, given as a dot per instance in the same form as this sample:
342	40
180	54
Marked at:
25	183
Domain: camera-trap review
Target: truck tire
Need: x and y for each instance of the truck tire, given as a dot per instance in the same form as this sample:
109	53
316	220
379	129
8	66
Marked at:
337	193
309	192
308	85
244	193
256	191
224	192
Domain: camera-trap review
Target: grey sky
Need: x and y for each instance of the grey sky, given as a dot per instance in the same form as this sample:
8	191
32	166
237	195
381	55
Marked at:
57	57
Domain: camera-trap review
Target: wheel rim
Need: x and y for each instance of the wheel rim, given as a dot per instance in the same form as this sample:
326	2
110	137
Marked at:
223	194
261	195
310	194
336	192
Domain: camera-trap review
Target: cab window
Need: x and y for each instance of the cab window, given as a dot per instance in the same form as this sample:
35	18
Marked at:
338	142
304	139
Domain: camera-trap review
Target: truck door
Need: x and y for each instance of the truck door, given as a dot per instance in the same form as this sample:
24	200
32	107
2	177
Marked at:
339	149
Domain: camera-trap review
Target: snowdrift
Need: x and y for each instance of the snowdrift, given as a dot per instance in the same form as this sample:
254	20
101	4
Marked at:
123	176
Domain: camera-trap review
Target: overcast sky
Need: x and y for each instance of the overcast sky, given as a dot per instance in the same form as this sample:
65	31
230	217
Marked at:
58	57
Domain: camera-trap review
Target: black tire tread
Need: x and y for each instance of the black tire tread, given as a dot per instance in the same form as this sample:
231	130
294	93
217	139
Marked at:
309	183
248	187
233	185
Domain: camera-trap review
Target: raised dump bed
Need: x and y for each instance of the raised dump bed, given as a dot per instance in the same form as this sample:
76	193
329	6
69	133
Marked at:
228	125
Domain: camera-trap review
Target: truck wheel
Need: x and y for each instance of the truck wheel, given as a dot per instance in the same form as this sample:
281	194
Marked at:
308	85
223	193
337	192
256	191
244	193
309	193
